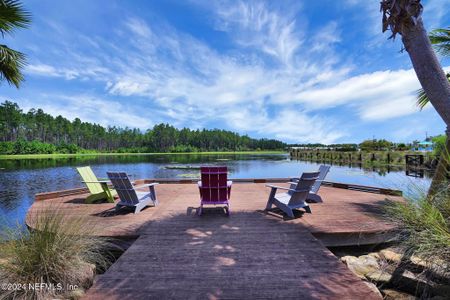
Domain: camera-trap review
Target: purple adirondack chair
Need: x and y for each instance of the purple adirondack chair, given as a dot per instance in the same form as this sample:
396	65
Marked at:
214	187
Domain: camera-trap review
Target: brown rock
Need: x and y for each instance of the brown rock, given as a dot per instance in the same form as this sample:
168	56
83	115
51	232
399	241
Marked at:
418	261
390	255
75	294
379	276
375	255
396	295
361	265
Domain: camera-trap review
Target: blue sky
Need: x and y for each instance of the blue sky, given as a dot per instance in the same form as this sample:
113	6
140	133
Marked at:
299	71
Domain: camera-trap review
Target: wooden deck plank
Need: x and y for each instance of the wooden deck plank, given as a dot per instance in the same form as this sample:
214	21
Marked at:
250	254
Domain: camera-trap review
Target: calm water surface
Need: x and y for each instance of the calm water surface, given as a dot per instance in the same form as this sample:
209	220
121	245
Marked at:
20	180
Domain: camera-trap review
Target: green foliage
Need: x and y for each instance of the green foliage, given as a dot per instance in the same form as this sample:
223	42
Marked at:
440	38
36	132
375	145
439	144
402	147
60	250
12	16
425	227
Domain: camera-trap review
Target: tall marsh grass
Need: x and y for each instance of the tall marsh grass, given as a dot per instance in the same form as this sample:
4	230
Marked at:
424	225
59	255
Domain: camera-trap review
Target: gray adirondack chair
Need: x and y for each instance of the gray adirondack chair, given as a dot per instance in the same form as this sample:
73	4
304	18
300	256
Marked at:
296	194
313	197
128	195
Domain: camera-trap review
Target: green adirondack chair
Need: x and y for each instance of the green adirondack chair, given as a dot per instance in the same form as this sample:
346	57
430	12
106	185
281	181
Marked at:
98	188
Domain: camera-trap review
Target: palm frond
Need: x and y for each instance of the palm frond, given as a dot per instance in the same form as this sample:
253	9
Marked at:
12	16
422	98
440	38
11	62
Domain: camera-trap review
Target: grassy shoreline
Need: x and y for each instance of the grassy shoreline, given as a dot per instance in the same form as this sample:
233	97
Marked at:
56	156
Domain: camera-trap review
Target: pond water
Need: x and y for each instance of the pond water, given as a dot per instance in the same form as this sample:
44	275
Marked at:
20	180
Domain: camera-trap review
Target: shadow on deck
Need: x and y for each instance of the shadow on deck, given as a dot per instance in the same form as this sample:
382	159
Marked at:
250	254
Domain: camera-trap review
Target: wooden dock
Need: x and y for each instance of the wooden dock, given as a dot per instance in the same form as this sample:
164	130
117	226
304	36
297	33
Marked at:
248	255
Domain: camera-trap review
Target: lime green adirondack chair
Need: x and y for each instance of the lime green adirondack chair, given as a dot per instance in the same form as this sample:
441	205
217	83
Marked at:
98	188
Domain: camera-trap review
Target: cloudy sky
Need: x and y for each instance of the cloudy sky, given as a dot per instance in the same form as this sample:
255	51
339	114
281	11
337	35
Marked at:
299	71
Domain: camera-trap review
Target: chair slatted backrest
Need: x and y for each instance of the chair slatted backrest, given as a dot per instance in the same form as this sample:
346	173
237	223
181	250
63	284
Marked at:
323	171
303	187
124	187
214	184
88	176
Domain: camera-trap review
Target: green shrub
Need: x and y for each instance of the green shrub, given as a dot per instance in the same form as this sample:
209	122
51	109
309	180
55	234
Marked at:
6	148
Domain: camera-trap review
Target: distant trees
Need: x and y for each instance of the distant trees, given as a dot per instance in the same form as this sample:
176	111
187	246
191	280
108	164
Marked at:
39	132
375	145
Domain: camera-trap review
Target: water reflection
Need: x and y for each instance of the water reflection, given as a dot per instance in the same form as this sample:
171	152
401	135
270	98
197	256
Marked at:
20	180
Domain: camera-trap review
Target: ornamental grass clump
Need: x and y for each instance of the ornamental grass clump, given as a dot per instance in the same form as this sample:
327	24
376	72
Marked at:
424	230
58	256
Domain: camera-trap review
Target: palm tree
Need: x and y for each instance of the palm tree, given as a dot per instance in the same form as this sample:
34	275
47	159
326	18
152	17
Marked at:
440	39
404	17
12	16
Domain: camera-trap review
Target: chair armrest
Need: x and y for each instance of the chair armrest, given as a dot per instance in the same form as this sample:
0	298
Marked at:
99	181
279	187
287	189
147	185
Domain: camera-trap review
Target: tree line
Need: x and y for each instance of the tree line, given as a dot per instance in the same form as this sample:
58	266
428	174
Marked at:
379	145
36	132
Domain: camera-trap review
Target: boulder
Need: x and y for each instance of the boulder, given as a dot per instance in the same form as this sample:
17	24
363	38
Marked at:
362	265
418	261
412	283
375	255
396	295
390	255
75	294
379	276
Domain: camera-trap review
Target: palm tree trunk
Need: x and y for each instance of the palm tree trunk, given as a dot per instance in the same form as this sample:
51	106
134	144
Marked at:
425	62
433	81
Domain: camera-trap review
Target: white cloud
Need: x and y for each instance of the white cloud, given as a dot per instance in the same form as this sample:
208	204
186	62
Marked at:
153	73
91	109
256	25
377	96
41	69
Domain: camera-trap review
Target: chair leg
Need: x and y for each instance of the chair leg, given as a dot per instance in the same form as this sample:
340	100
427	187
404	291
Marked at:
139	207
153	195
270	200
228	209
200	210
290	213
313	198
